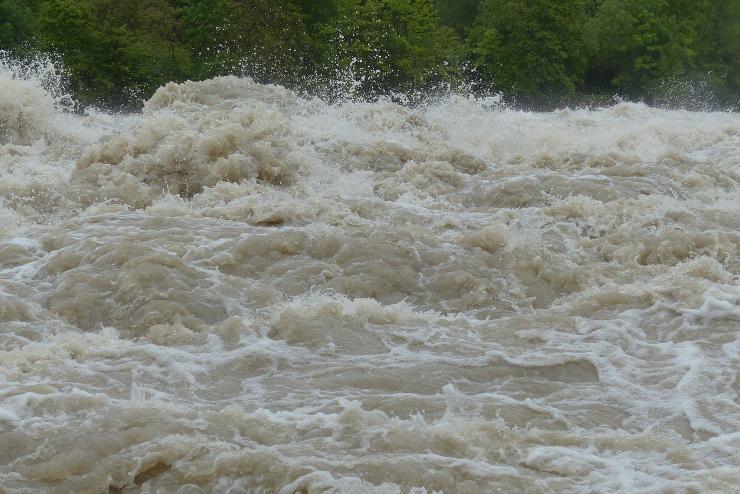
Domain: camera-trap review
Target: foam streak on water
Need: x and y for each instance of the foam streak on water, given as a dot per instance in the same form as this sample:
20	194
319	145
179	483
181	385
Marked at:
239	290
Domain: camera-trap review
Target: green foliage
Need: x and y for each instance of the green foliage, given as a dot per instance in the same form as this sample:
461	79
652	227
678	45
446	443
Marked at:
530	47
317	12
640	42
118	52
726	57
639	45
153	51
16	22
261	38
207	31
395	45
458	14
92	53
109	59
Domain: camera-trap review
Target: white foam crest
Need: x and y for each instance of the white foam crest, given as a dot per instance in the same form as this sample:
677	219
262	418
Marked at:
31	99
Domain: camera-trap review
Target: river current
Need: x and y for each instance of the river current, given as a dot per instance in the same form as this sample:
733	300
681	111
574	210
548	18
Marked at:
240	290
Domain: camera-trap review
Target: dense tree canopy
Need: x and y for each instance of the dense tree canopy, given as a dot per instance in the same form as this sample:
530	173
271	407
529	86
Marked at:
119	51
262	38
458	14
396	44
16	22
530	47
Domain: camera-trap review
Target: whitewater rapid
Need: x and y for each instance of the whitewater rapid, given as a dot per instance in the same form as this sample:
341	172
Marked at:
239	290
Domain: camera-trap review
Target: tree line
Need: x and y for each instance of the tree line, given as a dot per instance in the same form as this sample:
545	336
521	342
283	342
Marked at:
537	52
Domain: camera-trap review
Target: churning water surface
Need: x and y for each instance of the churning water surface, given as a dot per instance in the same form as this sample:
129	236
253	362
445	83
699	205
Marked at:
239	290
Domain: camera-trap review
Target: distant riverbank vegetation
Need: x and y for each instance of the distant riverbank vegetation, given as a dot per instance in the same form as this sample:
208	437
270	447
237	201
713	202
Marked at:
536	53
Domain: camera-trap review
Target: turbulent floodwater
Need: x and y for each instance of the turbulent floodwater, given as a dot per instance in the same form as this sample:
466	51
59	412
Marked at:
242	291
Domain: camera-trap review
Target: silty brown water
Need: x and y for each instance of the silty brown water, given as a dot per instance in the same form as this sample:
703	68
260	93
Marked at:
241	290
